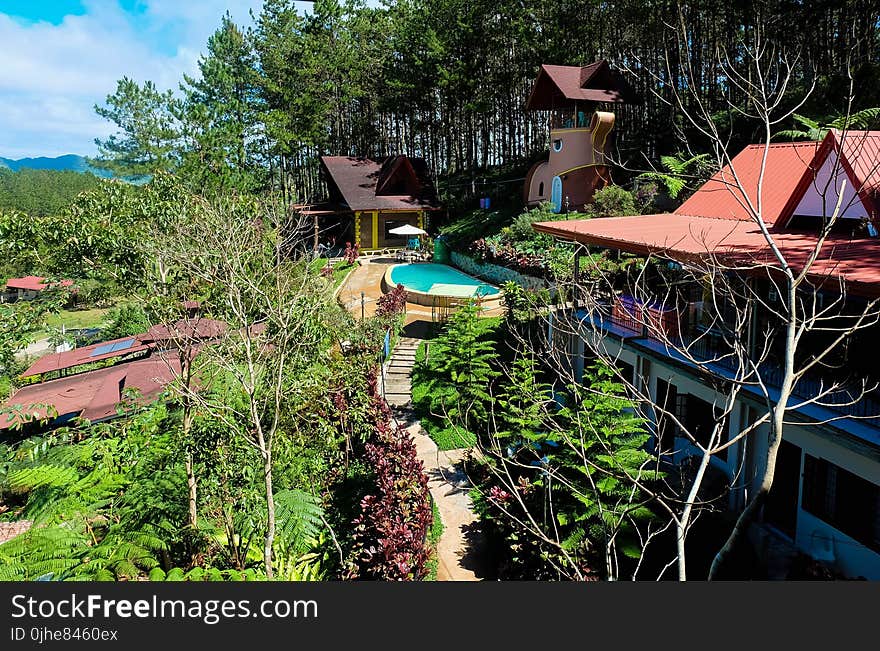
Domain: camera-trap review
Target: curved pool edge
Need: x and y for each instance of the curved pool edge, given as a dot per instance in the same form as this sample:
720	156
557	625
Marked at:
488	301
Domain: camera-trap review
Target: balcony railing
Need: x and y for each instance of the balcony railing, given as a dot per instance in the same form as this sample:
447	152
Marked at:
670	327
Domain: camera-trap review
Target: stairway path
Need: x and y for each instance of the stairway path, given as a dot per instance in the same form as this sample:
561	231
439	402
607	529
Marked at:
460	549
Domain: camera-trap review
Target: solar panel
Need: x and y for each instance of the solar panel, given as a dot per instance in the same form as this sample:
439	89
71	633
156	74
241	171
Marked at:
114	347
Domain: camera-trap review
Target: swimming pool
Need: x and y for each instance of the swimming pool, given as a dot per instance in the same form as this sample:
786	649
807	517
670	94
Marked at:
427	280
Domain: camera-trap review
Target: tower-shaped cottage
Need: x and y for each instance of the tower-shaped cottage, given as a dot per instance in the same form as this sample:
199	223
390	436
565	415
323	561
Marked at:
579	133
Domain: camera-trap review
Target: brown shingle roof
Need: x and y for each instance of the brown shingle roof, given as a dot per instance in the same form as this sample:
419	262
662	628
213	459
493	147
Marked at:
561	86
394	183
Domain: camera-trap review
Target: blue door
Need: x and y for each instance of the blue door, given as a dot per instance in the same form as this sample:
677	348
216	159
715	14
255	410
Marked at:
556	194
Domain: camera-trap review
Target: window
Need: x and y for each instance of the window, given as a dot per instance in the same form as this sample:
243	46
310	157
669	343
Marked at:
541	189
557	144
700	419
842	499
626	371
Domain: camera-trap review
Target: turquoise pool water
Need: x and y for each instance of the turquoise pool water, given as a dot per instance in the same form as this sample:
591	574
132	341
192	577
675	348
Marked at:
422	276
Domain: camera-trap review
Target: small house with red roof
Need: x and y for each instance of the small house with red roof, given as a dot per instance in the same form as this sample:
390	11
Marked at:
825	500
89	382
368	197
579	133
28	288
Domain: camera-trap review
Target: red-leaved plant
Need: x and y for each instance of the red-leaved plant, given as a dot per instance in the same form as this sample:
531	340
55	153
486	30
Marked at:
351	253
393	303
391	533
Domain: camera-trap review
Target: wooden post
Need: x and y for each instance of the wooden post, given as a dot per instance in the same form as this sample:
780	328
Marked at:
315	247
375	229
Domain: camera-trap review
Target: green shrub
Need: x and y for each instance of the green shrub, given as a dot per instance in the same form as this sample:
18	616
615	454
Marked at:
612	201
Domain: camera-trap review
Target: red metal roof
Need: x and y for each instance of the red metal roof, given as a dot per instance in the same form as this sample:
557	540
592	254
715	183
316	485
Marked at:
714	221
363	183
720	197
33	283
95	394
9	530
562	86
86	355
196	328
683	237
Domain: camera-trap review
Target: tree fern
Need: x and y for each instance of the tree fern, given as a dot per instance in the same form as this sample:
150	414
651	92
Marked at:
677	171
812	130
298	519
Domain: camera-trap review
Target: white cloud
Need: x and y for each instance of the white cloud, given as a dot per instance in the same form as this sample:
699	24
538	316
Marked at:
52	75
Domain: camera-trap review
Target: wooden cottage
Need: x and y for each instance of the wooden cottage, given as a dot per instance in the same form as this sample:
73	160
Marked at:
368	197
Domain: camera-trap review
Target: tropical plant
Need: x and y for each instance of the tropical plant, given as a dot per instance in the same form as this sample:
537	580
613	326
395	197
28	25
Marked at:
464	369
679	172
814	130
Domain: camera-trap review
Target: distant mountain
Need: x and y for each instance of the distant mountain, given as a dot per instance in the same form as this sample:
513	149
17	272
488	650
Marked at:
70	162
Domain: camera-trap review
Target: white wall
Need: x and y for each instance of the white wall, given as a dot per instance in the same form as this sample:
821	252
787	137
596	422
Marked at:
833	176
852	558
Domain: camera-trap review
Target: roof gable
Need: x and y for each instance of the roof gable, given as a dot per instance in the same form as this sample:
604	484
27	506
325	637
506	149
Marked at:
394	183
397	177
721	198
859	156
563	86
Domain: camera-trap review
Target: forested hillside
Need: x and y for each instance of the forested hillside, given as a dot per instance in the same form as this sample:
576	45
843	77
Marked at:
42	192
448	79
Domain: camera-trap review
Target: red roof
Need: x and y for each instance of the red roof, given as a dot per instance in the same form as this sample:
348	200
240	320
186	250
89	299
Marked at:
86	355
714	221
562	86
33	283
9	530
196	328
720	197
94	395
393	183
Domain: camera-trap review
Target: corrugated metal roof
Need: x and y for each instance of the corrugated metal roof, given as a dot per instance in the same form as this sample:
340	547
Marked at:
9	530
862	150
720	197
95	394
683	237
715	222
359	178
84	355
33	283
195	328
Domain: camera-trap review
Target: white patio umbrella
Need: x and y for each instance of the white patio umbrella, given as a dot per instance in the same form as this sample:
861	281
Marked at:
408	229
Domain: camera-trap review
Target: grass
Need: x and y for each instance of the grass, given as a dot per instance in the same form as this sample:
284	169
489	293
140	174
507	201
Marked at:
446	435
433	540
340	269
76	319
476	224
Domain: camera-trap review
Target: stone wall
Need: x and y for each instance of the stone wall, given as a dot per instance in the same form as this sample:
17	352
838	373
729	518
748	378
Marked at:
494	273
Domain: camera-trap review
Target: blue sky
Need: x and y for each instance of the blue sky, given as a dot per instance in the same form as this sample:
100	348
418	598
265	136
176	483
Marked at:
58	58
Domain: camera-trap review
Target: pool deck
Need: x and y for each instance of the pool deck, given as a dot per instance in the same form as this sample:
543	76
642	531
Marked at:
367	278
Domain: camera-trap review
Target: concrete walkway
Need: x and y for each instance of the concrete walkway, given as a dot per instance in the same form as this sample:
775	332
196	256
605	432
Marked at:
459	551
